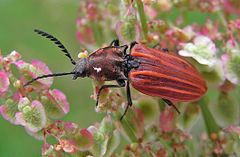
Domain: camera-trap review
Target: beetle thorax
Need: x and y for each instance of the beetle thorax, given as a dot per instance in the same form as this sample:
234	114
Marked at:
130	63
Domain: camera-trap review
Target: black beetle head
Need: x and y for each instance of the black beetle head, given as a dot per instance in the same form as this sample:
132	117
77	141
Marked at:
81	69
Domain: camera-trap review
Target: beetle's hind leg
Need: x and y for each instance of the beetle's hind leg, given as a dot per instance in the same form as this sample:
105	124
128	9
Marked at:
157	46
171	104
165	50
129	99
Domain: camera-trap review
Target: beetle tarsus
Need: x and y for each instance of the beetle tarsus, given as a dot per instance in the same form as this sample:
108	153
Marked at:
125	111
171	104
165	49
157	46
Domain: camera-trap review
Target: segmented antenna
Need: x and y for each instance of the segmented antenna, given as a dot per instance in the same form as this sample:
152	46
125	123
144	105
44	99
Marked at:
49	75
57	42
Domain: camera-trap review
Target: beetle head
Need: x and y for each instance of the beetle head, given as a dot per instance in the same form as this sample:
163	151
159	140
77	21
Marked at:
81	69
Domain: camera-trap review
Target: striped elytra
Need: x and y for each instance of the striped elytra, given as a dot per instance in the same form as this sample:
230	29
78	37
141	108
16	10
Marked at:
165	75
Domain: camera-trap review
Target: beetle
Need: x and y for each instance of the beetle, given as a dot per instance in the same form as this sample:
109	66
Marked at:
153	72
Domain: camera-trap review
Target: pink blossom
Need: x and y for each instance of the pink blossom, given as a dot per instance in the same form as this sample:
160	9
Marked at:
203	50
12	57
66	145
85	140
6	113
150	12
17	96
59	100
4	82
231	43
37	68
233	129
230	67
92	11
230	7
42	69
166	120
32	117
84	32
211	30
237	24
81	140
47	149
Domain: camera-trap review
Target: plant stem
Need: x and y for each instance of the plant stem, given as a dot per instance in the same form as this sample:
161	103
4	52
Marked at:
210	122
222	19
143	19
129	131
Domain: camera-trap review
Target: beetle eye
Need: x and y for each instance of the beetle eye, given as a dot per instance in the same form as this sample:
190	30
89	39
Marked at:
83	74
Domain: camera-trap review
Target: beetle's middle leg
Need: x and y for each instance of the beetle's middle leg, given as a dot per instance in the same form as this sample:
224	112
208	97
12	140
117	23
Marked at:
129	99
171	104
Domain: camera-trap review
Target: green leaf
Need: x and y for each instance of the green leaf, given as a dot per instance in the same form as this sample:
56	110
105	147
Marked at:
142	16
210	123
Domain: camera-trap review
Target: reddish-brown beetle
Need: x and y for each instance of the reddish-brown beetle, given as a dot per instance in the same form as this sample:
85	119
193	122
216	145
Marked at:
150	71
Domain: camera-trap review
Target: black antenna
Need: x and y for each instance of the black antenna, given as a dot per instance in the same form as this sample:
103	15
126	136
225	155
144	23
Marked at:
57	42
49	75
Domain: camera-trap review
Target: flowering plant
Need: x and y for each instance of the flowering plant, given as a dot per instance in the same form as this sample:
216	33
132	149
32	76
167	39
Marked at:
149	128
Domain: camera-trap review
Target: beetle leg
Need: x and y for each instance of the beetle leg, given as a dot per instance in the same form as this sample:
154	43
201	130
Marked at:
129	98
157	46
125	49
114	43
121	83
171	104
165	49
132	45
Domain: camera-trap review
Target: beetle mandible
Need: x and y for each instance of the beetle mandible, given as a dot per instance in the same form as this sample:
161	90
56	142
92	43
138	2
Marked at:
151	71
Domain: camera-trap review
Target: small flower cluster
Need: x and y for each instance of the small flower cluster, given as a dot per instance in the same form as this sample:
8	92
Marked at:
30	106
36	107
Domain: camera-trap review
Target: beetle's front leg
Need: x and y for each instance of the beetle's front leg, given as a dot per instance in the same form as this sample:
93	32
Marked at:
121	83
132	45
114	43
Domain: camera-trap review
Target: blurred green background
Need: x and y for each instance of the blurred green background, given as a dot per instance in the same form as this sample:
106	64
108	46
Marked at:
18	18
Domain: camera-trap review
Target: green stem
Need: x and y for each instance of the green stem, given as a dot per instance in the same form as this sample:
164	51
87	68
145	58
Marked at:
210	122
97	33
129	130
142	16
222	19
